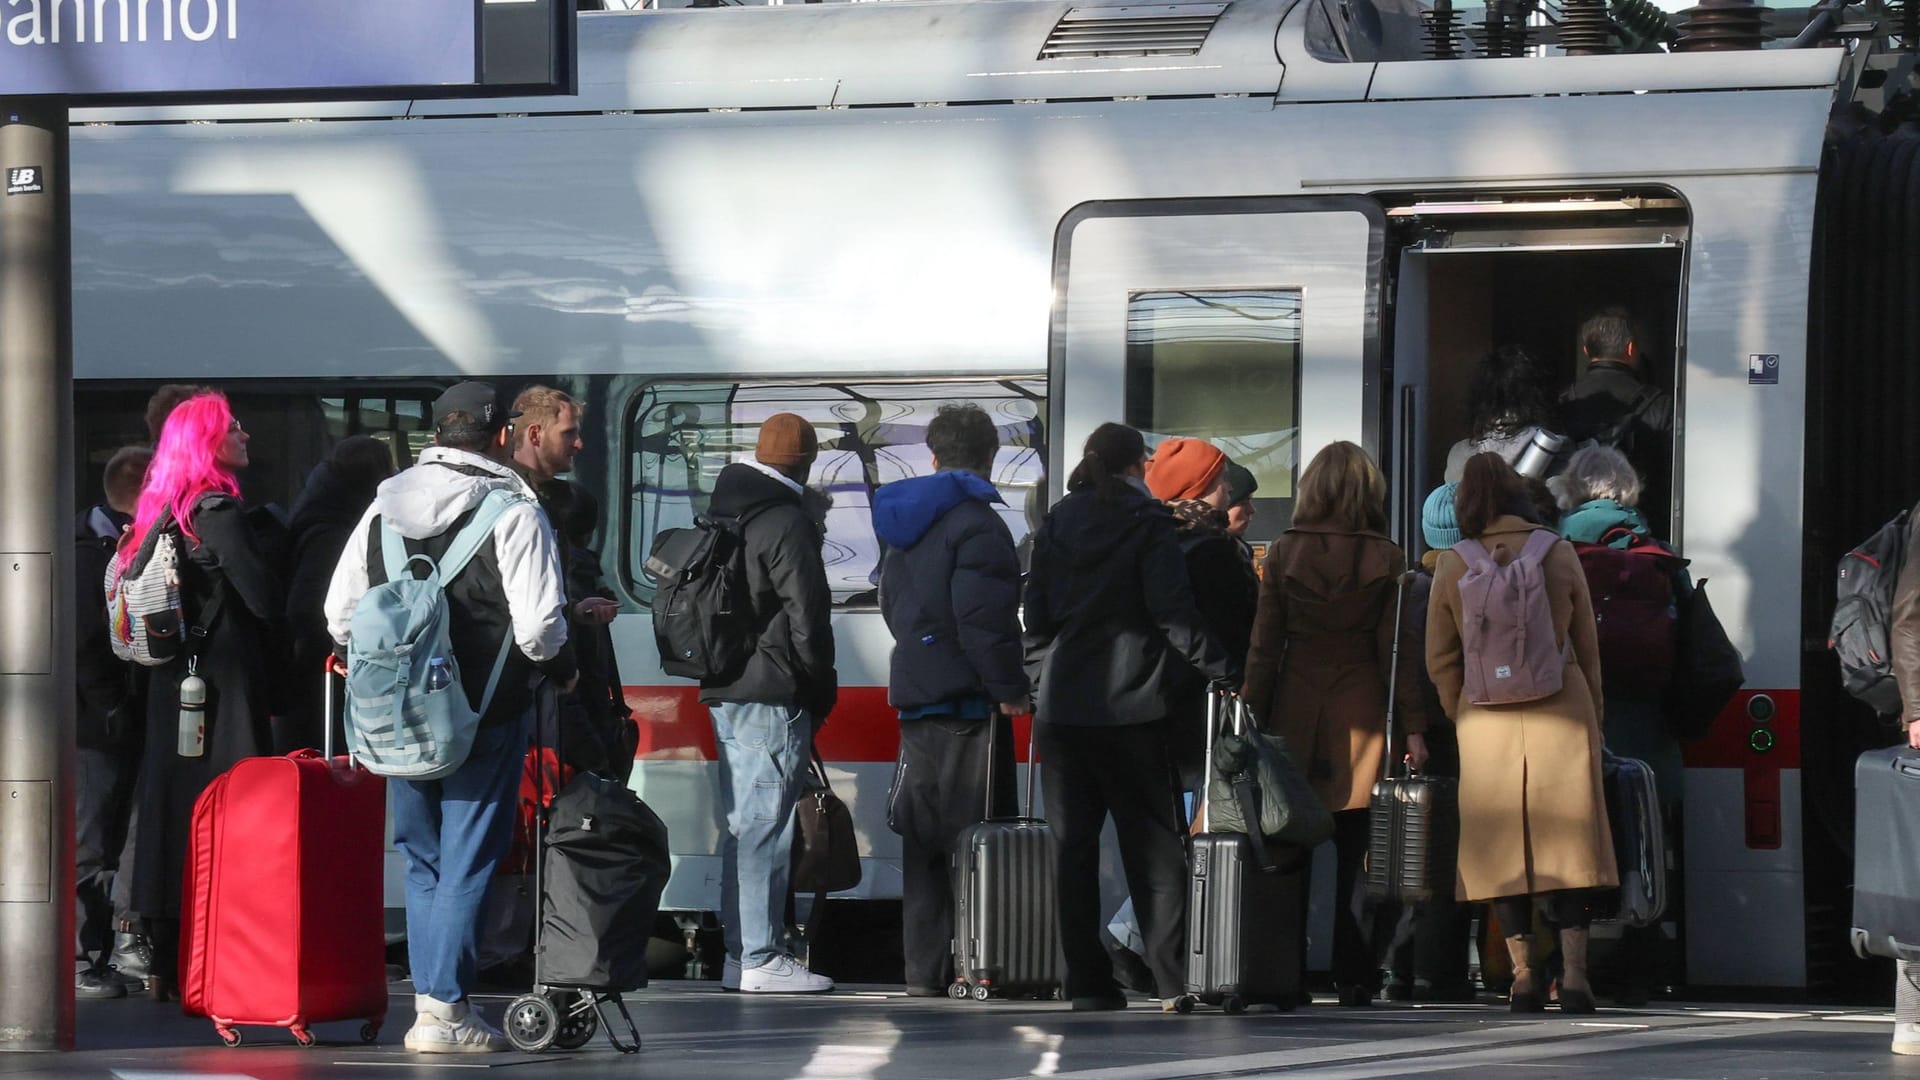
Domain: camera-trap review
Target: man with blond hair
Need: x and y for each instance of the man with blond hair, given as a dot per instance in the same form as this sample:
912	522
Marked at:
547	433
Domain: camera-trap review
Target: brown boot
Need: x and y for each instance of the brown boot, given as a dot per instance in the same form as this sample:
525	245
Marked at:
1526	996
1576	993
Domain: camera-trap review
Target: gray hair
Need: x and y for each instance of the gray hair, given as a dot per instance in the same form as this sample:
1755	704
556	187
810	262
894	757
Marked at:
1601	472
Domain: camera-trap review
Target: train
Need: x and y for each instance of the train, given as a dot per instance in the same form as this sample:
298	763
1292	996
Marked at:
1269	223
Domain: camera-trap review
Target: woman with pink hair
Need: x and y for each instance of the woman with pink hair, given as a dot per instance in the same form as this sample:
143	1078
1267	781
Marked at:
230	596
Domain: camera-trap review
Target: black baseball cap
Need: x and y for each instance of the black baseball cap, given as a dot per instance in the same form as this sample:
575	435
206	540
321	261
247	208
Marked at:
477	400
1240	484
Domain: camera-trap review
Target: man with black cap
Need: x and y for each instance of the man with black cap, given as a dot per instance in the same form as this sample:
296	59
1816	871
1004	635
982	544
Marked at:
764	714
454	830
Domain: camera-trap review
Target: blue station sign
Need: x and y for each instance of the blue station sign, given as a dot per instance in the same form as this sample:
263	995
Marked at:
102	48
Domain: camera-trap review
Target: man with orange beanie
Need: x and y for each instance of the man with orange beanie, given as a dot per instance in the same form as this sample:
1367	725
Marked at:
764	714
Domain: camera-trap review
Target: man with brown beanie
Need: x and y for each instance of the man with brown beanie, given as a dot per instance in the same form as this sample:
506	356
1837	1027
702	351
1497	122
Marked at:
764	714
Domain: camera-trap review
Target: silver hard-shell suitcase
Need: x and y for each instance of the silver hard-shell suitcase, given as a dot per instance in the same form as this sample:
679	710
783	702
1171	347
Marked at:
1006	918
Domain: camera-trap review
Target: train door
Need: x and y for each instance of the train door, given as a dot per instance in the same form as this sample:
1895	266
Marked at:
1252	323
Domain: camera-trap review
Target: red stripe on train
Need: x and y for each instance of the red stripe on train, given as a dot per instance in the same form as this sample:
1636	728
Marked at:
674	726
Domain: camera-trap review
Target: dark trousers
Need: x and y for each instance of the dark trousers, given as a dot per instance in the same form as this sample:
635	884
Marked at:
1566	910
1354	963
103	804
1091	772
940	788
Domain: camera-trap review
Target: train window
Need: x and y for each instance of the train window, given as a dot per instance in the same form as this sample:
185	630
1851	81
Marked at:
681	434
1222	365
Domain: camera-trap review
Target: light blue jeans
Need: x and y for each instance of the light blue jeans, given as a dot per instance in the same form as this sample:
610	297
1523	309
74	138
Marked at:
454	831
763	765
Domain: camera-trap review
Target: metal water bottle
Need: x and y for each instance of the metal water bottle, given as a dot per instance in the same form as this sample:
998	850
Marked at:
1540	453
193	713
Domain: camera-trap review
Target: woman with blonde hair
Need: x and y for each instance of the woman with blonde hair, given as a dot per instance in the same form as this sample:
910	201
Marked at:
1317	671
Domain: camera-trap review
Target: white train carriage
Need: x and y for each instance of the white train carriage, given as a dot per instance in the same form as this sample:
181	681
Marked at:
1258	221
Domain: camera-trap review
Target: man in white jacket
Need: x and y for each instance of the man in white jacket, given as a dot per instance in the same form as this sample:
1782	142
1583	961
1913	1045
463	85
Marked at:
456	829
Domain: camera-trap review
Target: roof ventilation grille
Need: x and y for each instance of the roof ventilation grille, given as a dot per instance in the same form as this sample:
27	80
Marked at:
1157	30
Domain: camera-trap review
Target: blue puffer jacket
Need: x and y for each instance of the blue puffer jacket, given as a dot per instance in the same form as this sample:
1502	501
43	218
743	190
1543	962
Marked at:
949	590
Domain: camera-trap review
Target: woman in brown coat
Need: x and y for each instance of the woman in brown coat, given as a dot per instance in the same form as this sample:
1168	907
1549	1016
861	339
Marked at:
1317	671
1533	818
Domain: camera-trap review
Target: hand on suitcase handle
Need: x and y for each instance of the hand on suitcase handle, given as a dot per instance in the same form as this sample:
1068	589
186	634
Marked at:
1416	751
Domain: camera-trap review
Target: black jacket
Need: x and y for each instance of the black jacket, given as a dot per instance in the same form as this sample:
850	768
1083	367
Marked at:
109	713
1610	403
1227	593
949	590
323	519
1110	614
792	605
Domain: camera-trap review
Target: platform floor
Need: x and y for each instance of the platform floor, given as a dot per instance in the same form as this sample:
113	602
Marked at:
696	1031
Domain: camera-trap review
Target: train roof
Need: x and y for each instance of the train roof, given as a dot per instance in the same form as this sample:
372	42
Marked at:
912	53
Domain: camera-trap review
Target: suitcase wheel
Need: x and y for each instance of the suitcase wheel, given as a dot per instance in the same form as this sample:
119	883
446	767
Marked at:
228	1036
532	1023
1234	1004
304	1037
369	1033
982	992
579	1024
957	991
1183	1004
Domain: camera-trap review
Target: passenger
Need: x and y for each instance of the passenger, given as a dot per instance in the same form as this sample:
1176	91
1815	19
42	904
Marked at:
110	724
1317	671
454	830
1190	476
764	719
547	436
1108	614
1507	406
1429	959
338	492
1612	404
1533	820
1904	638
606	739
1605	492
232	602
162	404
1240	488
950	592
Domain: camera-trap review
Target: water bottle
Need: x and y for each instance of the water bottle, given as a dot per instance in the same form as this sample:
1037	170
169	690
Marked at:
439	674
192	738
1540	453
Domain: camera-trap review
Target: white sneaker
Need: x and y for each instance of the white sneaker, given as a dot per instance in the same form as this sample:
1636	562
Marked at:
1906	1038
783	975
730	974
442	1028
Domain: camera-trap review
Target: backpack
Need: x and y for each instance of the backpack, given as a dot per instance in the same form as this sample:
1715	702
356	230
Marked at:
702	609
145	620
398	724
1634	612
1507	622
1863	616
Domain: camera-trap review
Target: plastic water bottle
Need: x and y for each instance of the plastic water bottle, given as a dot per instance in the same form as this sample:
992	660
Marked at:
192	739
439	674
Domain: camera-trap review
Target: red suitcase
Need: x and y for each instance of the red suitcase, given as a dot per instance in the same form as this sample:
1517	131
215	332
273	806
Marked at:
282	921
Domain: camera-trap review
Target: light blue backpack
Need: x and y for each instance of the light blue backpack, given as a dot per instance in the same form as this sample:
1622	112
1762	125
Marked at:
399	724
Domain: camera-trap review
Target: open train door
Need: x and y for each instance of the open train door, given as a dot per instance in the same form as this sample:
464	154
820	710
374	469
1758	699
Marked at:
1252	323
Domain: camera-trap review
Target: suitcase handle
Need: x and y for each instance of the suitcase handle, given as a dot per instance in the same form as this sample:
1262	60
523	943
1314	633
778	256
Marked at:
1023	813
1393	672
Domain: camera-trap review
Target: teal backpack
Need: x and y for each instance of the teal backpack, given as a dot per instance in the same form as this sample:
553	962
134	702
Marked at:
408	717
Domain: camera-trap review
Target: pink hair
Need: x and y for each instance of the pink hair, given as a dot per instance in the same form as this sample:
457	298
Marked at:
185	466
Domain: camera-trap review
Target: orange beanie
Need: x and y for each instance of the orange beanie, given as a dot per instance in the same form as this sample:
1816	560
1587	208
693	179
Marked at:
1184	469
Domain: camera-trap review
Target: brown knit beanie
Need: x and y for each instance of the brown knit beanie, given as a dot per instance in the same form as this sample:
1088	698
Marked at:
786	441
1184	469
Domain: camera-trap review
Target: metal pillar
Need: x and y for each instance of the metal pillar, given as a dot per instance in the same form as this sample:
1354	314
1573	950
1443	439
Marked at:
36	579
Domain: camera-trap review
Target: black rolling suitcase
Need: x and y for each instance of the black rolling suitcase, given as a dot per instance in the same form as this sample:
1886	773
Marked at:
1639	843
1243	922
1006	922
1413	821
1886	853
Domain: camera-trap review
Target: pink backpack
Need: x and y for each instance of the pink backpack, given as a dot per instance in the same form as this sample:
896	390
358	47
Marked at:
1506	622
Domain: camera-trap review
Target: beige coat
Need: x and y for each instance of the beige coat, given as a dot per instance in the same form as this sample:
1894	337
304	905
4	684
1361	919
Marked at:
1533	814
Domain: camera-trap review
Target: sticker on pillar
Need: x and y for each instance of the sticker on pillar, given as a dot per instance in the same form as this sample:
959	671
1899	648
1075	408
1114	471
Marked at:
1763	369
26	180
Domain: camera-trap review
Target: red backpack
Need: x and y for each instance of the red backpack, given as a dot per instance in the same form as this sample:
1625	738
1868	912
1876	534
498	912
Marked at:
1634	612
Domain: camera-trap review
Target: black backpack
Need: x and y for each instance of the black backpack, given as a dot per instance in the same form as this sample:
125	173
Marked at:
1863	616
702	606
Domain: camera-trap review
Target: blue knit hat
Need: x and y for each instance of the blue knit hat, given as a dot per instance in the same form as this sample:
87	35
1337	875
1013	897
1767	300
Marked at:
1437	520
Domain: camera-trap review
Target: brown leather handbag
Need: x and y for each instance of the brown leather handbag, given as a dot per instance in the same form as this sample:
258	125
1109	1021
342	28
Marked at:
826	857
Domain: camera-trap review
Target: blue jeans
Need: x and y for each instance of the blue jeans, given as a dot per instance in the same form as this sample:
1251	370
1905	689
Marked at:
454	831
763	765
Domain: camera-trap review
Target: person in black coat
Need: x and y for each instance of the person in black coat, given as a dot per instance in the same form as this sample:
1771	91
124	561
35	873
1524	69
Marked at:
950	592
338	491
1614	403
232	604
1109	615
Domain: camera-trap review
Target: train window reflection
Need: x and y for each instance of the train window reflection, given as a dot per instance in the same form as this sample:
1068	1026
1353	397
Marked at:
681	434
1222	365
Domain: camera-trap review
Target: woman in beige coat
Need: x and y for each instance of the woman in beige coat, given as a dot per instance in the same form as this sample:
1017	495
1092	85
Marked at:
1317	672
1533	820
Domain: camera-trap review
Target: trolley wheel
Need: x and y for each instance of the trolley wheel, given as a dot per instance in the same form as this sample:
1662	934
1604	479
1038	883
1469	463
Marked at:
982	992
1183	1004
958	990
532	1023
578	1025
1235	1005
304	1037
228	1036
369	1033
